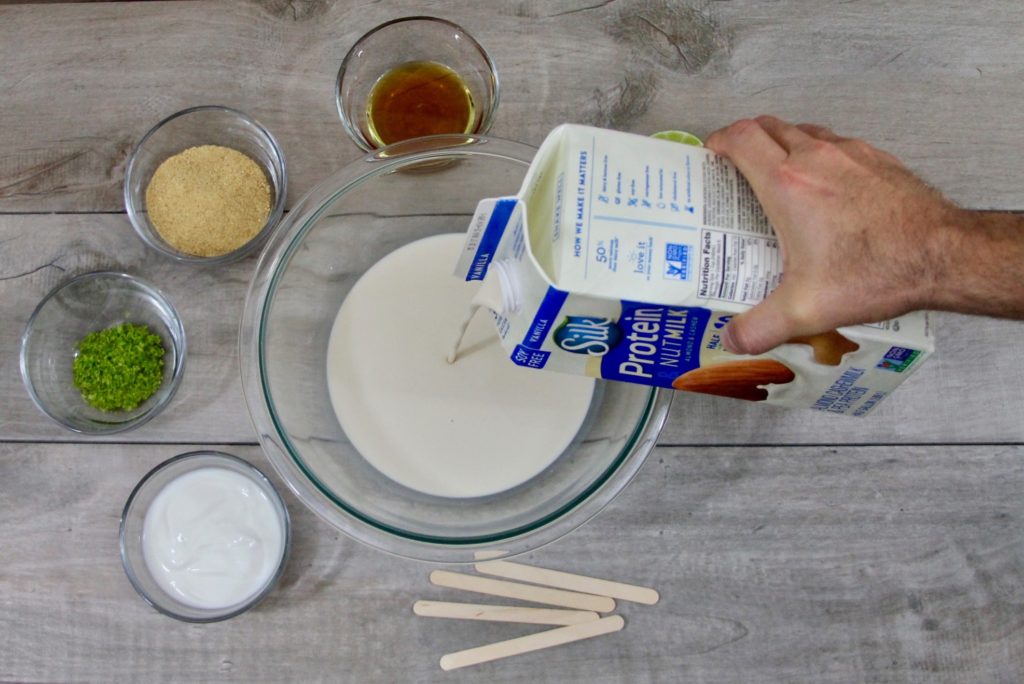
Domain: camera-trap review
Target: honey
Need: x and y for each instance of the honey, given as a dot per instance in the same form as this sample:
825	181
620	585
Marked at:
416	99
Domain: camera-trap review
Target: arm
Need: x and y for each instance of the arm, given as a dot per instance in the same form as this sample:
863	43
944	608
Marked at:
987	274
863	239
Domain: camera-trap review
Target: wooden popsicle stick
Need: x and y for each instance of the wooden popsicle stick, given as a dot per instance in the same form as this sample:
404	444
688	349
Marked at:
532	642
478	611
523	592
570	581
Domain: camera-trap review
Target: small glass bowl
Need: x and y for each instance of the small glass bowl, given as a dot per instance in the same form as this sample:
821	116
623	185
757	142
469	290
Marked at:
84	304
413	39
134	515
206	125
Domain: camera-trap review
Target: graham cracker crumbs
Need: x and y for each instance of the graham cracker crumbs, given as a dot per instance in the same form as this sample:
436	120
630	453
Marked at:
208	200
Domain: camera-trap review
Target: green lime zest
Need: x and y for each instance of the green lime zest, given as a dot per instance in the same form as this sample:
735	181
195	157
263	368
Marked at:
120	367
679	137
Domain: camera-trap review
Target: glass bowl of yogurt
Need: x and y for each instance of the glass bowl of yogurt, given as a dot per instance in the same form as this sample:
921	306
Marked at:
204	536
348	324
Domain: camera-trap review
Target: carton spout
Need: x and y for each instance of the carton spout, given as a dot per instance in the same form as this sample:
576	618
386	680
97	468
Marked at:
499	291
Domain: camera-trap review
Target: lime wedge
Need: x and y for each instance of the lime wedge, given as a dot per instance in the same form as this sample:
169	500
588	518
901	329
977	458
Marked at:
679	137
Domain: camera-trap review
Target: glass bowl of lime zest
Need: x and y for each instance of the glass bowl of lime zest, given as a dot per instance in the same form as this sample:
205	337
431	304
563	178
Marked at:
103	353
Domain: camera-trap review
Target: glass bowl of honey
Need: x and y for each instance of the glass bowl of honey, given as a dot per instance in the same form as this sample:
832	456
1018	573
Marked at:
414	77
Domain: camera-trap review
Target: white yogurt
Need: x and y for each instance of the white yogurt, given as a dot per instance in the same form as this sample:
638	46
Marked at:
212	538
471	428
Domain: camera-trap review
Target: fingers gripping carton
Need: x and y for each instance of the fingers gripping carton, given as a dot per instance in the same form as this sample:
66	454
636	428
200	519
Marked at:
623	257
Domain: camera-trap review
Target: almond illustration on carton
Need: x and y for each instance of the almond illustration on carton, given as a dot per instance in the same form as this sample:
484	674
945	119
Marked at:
828	347
738	379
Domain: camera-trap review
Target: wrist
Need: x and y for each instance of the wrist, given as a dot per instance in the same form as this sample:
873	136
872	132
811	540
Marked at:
943	241
977	263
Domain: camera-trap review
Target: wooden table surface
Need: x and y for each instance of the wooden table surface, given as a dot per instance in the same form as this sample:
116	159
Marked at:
788	546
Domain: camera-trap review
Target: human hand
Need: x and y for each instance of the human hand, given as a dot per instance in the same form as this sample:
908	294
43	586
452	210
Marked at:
854	227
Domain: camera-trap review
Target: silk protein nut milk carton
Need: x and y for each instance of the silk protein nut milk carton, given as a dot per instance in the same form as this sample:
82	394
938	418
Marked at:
622	257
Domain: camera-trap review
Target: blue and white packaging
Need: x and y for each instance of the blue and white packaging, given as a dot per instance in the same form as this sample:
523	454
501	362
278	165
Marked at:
622	258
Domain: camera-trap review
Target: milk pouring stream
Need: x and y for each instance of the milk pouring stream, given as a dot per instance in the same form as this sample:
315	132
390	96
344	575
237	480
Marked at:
622	257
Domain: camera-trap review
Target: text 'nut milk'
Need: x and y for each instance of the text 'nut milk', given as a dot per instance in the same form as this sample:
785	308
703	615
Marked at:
622	257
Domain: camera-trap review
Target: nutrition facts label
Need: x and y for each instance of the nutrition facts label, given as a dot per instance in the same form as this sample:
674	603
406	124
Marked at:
729	201
737	268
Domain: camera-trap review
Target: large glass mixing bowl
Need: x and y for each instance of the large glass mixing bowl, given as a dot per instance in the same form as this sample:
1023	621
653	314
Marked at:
363	212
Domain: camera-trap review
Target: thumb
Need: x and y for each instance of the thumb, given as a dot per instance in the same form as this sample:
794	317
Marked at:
763	327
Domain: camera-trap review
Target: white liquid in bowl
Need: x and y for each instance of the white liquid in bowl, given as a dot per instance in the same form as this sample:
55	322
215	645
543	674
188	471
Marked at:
478	426
212	538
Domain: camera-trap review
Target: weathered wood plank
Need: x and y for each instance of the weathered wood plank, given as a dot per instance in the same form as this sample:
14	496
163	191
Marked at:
793	563
971	391
804	564
937	86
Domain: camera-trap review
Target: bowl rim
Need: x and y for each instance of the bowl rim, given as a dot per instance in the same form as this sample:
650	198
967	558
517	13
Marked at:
353	131
274	439
273	218
258	476
181	353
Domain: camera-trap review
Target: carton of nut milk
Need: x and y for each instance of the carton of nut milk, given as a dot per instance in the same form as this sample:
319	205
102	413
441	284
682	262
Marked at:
622	258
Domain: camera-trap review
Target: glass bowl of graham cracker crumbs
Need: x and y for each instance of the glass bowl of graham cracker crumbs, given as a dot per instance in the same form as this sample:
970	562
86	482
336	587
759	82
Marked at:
205	185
